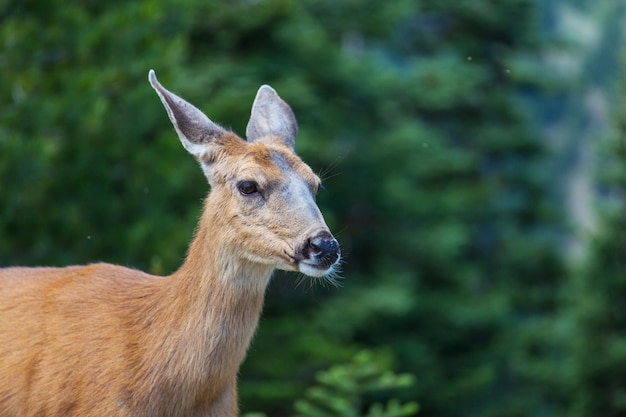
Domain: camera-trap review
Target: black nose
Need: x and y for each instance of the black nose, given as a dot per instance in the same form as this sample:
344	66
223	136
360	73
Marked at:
324	247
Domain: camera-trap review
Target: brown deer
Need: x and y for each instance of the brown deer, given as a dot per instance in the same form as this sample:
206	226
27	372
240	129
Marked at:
105	340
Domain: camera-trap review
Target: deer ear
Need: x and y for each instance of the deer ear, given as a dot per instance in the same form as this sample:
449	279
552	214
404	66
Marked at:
195	130
271	116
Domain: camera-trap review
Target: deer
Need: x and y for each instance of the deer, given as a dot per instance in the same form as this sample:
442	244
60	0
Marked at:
107	340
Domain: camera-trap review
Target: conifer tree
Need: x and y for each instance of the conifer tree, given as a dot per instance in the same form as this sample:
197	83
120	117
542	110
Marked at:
598	383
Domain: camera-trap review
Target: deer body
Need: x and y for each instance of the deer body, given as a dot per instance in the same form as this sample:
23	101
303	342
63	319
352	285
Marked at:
104	340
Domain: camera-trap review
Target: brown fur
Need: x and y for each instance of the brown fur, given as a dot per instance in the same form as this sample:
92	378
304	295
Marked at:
104	340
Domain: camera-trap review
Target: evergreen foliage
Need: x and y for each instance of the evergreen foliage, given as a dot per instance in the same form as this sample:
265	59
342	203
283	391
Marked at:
596	303
340	390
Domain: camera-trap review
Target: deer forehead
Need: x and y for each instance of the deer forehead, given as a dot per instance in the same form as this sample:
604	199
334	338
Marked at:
267	159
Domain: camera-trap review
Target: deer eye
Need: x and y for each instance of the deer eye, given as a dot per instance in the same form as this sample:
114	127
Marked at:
247	187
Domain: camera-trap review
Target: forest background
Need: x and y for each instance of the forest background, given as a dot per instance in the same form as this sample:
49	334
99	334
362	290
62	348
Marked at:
473	152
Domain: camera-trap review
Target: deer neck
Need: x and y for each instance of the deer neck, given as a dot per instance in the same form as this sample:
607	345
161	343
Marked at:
219	297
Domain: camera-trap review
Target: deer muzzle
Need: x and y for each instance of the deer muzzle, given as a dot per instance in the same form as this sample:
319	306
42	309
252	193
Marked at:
319	254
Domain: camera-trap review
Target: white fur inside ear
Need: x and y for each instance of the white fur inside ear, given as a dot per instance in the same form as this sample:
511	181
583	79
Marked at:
199	150
206	169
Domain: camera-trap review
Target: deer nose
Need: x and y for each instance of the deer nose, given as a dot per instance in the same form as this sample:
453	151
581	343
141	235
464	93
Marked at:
324	247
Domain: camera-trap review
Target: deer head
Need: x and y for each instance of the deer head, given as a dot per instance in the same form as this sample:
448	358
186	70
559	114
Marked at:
264	193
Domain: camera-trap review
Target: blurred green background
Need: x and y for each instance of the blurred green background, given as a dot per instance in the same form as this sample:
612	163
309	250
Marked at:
474	154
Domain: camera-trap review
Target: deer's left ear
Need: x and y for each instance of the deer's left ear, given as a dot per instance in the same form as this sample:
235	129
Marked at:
195	130
271	116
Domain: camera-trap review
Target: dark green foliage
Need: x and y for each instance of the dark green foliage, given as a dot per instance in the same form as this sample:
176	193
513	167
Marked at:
340	391
598	381
78	126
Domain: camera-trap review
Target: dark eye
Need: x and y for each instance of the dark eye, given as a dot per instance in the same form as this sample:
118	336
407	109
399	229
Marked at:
247	187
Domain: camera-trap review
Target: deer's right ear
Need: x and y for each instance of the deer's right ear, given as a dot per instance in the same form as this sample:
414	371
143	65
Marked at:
195	130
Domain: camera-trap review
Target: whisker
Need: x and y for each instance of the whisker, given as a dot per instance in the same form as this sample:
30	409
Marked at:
324	173
300	279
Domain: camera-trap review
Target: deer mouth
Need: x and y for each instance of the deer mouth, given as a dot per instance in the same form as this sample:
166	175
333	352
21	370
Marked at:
318	267
312	267
313	270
